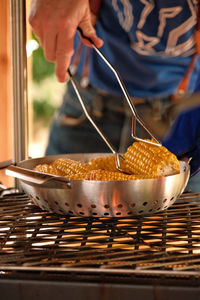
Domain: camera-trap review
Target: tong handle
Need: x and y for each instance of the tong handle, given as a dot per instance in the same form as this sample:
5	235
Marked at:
126	95
87	114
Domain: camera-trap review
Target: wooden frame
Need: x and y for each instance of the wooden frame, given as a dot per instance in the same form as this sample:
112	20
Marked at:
5	90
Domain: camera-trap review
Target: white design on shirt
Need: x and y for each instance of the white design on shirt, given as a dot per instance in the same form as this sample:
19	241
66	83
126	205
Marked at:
146	11
126	18
145	44
175	34
166	13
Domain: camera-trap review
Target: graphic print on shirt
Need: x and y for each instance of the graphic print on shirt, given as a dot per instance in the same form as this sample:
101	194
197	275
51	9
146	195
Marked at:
137	18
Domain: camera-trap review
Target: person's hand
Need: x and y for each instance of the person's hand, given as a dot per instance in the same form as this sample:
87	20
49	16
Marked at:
183	139
55	22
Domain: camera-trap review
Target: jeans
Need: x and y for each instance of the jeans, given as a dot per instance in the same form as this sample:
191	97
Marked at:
71	131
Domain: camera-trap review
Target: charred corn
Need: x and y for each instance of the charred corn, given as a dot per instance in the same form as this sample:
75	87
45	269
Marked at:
143	158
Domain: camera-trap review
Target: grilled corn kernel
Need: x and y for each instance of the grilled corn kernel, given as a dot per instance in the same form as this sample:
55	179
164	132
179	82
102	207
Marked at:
112	176
108	163
70	167
49	169
78	176
143	158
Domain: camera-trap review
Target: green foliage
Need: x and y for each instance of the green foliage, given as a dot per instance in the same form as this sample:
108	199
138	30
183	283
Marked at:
47	96
41	68
43	110
46	91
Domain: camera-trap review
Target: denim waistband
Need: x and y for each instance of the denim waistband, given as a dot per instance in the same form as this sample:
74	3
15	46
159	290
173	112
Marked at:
97	102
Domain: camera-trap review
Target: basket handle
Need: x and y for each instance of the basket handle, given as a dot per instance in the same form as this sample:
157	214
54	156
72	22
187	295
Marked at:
37	177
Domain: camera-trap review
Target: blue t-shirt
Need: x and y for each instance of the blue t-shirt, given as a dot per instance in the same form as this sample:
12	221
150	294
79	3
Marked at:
150	43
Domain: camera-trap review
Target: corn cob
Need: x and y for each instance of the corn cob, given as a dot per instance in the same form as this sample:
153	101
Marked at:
143	158
49	169
78	176
104	163
112	176
70	167
108	163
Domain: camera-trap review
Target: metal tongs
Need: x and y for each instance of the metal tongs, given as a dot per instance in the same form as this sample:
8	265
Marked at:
135	117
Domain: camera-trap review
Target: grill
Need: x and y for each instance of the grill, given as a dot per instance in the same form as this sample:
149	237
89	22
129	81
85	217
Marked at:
45	255
162	247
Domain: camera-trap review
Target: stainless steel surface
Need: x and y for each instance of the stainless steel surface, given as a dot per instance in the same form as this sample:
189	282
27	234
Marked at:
38	178
136	118
165	246
118	157
88	115
19	79
102	198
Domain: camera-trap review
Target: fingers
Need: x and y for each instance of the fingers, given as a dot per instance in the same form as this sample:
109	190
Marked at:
95	39
89	31
64	52
55	23
64	46
49	45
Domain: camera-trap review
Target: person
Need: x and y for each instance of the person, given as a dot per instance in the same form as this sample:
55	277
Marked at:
151	44
183	139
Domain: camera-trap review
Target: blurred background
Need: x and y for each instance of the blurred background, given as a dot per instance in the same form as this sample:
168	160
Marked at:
44	93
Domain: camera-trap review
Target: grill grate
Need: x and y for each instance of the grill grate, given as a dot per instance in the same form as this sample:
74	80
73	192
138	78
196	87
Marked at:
165	244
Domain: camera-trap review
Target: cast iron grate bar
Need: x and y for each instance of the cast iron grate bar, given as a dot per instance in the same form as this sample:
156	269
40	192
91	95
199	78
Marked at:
166	243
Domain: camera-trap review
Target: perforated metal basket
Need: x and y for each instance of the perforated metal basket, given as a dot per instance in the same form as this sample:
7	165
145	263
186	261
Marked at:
98	198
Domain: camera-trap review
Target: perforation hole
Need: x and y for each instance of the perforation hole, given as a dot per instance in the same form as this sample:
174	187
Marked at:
93	205
129	213
164	200
132	205
106	214
94	214
141	211
81	213
118	214
66	204
37	198
70	212
79	205
155	202
107	206
56	202
145	203
119	205
172	199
